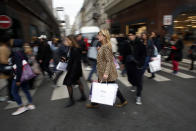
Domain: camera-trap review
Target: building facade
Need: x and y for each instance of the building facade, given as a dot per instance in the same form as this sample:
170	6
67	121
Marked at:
92	13
30	18
162	16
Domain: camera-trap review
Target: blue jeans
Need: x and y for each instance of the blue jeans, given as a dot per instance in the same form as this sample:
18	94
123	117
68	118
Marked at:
94	70
15	93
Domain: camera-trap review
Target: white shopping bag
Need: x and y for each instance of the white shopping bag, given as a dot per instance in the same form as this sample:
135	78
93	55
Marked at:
104	93
92	52
155	65
62	66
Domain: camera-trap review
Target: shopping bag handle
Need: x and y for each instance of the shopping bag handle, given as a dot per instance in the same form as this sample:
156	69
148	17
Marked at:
102	81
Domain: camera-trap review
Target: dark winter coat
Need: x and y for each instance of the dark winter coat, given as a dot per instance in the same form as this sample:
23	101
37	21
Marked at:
74	68
149	49
157	42
17	56
134	52
44	52
176	51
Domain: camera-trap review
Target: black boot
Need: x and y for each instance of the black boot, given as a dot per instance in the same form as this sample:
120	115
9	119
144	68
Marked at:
71	103
83	98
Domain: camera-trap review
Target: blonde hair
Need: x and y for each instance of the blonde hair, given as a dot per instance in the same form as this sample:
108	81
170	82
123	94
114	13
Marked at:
106	34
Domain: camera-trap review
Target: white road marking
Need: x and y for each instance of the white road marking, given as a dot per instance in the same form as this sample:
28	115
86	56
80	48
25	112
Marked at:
158	77
180	67
179	74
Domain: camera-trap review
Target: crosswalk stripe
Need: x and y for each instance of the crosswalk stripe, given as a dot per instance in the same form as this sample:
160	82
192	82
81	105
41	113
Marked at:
60	93
123	80
180	67
179	74
187	61
158	77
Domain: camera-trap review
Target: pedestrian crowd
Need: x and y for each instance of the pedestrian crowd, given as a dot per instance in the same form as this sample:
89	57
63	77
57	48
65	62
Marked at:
104	56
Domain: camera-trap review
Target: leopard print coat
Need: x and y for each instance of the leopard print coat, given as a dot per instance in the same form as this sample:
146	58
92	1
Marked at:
105	64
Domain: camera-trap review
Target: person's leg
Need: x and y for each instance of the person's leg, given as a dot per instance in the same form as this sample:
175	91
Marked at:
139	82
71	99
147	60
130	68
14	91
175	66
192	64
9	87
92	71
120	96
58	74
17	98
25	88
47	69
81	87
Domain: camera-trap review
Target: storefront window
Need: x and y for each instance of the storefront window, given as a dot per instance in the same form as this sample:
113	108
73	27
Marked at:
185	24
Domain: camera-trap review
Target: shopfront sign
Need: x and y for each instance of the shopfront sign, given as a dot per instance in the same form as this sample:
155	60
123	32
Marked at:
5	22
167	20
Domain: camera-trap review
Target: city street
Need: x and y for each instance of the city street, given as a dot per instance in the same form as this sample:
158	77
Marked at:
168	105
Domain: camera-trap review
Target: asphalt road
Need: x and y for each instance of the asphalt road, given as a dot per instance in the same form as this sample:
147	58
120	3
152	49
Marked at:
168	105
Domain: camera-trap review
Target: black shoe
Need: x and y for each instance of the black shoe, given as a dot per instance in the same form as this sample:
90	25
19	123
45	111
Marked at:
83	98
191	69
71	103
151	77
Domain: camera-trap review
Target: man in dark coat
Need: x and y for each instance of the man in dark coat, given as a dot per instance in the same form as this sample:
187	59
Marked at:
44	56
133	58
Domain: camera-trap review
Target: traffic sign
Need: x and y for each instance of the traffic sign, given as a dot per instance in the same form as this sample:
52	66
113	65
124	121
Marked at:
5	22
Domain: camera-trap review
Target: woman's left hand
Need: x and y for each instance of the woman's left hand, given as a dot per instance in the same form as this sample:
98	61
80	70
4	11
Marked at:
105	76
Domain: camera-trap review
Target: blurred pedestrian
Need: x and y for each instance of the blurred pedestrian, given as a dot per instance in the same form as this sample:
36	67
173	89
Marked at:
192	55
44	55
5	67
150	52
114	43
95	44
106	69
74	70
134	58
82	44
18	56
63	53
176	52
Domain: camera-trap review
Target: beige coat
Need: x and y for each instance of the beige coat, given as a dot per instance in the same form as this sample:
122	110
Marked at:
4	54
105	64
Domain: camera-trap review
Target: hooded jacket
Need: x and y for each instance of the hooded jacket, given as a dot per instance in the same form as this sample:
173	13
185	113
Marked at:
17	56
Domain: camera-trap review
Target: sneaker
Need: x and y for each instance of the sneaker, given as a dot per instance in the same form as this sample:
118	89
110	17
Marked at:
138	101
133	89
122	104
31	107
19	111
92	106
